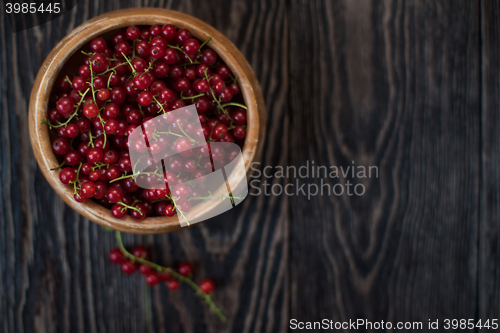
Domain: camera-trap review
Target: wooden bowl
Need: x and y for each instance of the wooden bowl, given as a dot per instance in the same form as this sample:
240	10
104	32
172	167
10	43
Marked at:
72	43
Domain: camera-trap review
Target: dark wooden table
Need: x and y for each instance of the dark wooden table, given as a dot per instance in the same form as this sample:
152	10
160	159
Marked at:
411	87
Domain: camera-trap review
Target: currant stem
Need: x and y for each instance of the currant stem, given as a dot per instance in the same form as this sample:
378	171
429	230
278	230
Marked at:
235	104
161	105
180	49
77	106
130	207
128	61
59	166
181	278
205	42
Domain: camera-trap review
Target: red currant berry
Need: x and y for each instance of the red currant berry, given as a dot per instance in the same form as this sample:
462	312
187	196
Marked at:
116	256
170	56
219	87
207	286
145	269
183	35
67	175
168	31
133	32
95	155
156	51
128	267
99	62
235	88
185	269
65	106
239	132
118	95
173	285
141	214
169	210
72	157
152	279
113	172
181	191
140	252
84	71
191	46
145	98
155	30
103	94
98	45
164	276
114	194
90	110
118	211
88	189
208	57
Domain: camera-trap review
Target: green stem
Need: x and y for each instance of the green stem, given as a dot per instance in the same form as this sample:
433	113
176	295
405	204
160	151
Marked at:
130	207
161	105
181	278
190	138
77	106
205	42
122	177
59	166
235	104
128	61
181	50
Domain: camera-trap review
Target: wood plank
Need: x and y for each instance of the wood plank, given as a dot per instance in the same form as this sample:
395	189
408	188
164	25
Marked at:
489	236
55	273
395	85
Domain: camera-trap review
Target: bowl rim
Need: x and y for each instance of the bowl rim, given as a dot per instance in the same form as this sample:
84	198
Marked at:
69	45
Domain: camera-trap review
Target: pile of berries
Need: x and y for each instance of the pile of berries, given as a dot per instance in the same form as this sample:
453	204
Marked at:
125	83
155	274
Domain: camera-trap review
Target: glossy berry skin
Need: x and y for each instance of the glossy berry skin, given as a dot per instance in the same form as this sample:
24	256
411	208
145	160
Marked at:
191	46
129	268
118	211
145	98
239	132
114	194
98	45
145	269
72	157
65	106
133	32
173	285
156	51
152	279
207	286
181	191
88	189
116	256
168	31
239	117
183	35
169	210
140	252
60	146
67	175
185	269
208	57
102	94
90	110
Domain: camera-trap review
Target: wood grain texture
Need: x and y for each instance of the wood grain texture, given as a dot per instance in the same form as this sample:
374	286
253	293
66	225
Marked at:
396	85
409	86
489	235
55	274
